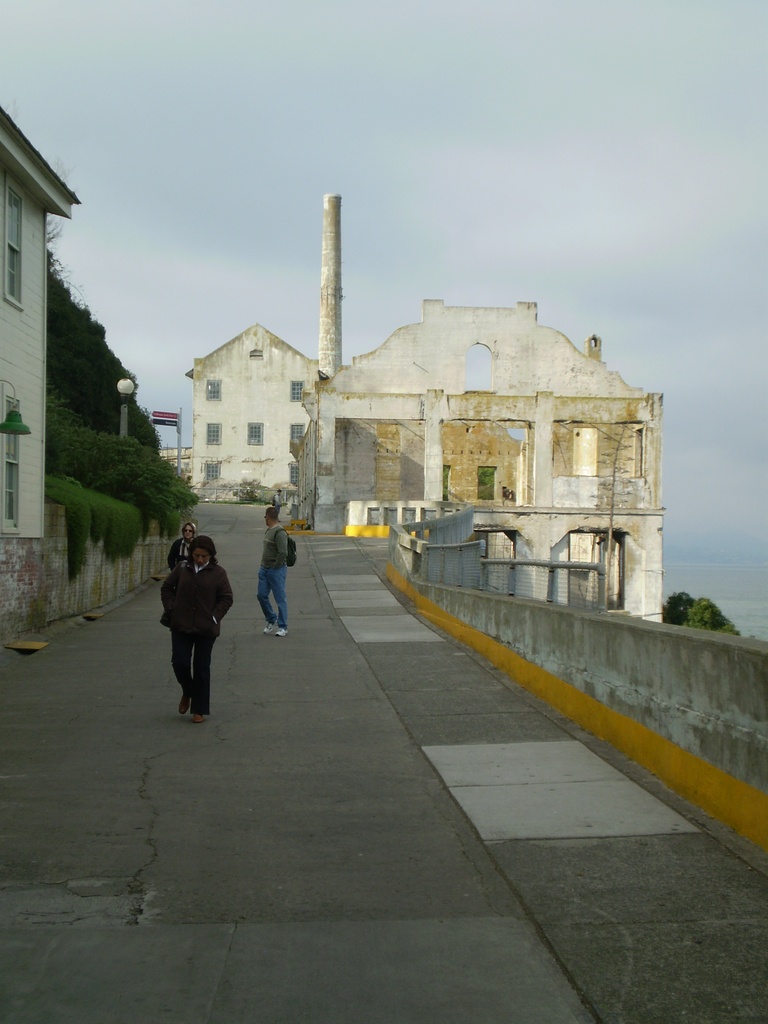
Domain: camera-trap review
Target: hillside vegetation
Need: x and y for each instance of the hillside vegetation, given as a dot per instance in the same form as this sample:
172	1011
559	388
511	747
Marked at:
83	446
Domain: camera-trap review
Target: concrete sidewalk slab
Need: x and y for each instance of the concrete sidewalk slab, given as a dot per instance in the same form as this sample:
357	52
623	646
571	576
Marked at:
506	764
364	599
410	972
556	790
483	970
394	629
112	976
364	580
567	811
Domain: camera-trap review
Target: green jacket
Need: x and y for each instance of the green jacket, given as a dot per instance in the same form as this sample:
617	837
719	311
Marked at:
275	547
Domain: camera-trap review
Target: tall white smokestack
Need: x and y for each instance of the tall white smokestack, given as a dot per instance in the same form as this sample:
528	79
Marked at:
330	288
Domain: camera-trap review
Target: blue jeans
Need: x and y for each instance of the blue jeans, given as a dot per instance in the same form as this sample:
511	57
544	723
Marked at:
273	580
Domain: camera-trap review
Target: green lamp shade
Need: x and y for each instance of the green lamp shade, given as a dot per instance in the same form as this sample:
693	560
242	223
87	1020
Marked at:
12	424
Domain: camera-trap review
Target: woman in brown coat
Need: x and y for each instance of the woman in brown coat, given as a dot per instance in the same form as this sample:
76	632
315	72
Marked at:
197	595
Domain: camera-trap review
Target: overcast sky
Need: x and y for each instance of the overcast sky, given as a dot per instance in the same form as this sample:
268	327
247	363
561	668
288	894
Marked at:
603	158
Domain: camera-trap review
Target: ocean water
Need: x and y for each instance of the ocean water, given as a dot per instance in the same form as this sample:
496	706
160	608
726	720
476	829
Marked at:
739	591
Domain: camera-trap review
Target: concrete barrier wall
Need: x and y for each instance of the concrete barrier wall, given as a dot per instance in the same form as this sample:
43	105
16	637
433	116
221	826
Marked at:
689	692
37	591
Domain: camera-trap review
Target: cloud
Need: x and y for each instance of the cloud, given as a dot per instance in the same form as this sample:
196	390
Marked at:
604	160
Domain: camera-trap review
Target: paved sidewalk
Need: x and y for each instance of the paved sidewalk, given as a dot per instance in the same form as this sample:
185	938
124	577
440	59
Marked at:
374	825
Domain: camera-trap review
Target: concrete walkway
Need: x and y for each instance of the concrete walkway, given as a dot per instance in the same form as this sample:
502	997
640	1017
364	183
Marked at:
374	825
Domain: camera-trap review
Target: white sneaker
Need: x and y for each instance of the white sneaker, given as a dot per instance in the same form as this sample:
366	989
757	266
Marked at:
270	627
282	632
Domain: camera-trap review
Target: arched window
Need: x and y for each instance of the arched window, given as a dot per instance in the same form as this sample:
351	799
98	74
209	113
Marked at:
479	368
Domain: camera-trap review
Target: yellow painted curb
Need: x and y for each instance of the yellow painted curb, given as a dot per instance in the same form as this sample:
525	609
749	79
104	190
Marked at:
366	531
737	804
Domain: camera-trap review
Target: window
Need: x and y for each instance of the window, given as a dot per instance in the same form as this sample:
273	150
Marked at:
212	470
479	368
13	246
293	470
446	483
638	468
255	433
297	390
297	431
486	483
257	353
213	434
585	451
11	476
213	390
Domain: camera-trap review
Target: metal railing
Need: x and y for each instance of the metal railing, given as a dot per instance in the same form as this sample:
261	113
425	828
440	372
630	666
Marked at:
573	584
450	529
447	555
458	565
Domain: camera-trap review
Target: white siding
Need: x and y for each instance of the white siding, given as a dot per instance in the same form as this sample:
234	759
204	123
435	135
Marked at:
22	358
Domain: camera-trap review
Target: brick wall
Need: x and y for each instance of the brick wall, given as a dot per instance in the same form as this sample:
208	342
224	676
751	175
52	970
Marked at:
36	589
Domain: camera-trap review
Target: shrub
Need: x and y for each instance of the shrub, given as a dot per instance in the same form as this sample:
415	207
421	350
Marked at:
91	515
78	519
121	468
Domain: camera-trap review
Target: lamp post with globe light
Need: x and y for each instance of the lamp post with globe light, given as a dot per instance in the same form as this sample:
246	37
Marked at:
125	387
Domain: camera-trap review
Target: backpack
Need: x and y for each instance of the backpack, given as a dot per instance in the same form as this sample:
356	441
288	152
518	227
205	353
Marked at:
290	558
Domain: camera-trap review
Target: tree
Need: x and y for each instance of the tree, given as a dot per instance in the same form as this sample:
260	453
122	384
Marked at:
705	614
680	609
676	608
83	415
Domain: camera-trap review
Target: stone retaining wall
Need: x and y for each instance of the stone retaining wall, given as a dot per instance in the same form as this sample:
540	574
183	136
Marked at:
36	590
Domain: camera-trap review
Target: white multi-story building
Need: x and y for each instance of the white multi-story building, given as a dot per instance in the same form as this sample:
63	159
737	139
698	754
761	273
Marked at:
247	410
31	190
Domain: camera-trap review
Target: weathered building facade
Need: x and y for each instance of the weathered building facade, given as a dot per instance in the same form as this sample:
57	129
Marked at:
247	410
561	458
555	451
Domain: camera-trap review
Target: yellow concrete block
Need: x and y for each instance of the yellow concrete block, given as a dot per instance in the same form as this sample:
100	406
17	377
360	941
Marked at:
366	531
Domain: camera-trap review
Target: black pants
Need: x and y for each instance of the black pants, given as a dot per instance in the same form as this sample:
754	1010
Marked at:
191	662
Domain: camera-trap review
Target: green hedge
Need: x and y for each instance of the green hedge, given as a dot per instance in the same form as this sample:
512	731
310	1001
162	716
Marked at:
117	525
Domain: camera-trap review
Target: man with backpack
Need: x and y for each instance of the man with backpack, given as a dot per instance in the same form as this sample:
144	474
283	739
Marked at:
272	573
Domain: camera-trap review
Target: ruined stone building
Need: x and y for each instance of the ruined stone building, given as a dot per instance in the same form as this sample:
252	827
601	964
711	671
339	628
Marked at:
478	405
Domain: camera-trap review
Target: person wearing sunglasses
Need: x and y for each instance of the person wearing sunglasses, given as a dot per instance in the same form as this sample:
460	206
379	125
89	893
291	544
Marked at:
180	548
